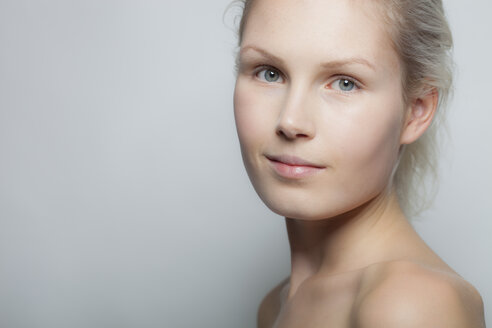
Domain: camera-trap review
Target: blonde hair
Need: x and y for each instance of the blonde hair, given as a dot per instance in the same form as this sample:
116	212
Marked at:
421	36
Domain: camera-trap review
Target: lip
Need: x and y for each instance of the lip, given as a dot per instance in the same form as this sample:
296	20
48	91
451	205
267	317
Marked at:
293	167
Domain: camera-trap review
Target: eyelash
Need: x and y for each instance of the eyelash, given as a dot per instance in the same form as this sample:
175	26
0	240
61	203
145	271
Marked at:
357	85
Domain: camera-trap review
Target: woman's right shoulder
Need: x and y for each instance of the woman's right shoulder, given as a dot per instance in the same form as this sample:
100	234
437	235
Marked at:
410	294
270	306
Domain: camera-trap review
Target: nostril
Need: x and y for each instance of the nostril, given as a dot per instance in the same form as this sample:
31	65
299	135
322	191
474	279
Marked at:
281	133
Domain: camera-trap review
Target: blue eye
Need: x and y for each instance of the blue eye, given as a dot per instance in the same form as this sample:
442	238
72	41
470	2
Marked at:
344	85
269	75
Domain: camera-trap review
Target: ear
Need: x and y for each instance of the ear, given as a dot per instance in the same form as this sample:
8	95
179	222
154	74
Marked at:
419	117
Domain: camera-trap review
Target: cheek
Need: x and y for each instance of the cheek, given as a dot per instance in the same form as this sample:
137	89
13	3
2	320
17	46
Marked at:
244	115
251	125
254	116
369	145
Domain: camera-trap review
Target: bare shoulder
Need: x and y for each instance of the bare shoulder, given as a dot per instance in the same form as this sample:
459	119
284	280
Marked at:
406	294
270	306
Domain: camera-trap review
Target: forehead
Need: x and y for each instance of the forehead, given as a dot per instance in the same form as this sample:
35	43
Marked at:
317	30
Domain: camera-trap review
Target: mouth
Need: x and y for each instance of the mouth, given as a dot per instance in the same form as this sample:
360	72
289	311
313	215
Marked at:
292	167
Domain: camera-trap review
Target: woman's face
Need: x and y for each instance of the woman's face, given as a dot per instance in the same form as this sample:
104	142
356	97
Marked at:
319	81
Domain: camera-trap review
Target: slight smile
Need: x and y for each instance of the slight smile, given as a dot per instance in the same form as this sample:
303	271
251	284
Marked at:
292	167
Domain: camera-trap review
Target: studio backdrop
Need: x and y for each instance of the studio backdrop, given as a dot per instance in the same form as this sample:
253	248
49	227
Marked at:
123	198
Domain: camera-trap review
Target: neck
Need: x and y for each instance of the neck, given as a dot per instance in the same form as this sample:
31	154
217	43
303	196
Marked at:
344	243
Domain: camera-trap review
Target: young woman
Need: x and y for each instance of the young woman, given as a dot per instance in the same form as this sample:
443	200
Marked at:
337	105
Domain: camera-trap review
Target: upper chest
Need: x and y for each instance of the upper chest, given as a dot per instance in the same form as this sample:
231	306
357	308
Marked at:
320	303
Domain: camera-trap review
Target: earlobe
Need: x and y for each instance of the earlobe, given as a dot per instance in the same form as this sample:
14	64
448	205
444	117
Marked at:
419	117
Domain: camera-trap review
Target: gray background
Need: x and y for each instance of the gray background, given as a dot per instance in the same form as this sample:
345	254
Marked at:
123	198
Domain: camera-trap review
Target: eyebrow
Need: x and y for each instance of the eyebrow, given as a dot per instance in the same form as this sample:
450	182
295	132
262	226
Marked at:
330	64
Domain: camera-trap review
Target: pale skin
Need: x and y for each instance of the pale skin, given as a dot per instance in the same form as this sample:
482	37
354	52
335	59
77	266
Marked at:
320	80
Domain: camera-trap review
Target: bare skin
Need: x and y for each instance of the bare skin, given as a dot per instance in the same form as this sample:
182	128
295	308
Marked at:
364	297
319	80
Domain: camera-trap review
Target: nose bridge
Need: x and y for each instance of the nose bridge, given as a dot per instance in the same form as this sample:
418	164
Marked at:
296	117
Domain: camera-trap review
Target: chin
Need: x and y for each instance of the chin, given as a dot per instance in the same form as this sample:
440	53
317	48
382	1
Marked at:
314	204
302	206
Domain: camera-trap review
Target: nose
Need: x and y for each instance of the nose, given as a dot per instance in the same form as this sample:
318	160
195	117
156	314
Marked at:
295	119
